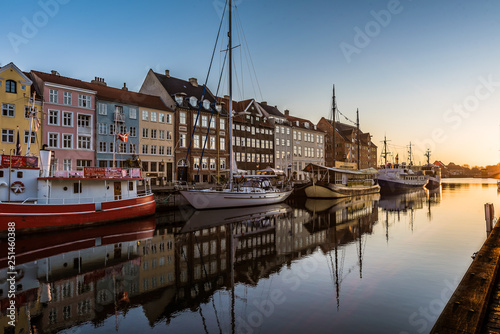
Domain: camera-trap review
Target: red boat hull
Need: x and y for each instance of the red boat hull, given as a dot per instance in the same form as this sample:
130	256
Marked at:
35	217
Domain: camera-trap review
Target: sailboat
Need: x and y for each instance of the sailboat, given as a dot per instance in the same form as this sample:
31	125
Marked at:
335	182
255	189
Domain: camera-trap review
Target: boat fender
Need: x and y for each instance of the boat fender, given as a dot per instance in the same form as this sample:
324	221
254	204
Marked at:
17	187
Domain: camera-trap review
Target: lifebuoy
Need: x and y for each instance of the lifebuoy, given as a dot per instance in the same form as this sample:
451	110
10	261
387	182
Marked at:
17	187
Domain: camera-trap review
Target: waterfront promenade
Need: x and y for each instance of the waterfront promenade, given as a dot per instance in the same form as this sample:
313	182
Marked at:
474	307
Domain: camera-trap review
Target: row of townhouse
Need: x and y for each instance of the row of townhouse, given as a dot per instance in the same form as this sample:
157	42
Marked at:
177	129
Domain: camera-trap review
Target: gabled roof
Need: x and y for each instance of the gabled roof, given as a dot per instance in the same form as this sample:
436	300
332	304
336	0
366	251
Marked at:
61	80
175	86
302	123
272	111
127	97
23	75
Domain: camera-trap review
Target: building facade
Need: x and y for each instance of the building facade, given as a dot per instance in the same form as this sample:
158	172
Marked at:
346	146
69	119
201	148
16	100
308	146
283	148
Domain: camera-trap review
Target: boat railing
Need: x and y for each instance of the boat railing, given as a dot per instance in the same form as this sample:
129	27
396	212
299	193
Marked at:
82	200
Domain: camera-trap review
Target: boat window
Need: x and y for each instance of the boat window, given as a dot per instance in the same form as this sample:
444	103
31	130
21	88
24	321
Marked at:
77	188
19	175
131	185
1	173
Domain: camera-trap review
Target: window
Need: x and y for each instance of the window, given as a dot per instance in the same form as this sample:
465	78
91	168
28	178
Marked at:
7	135
161	150
67	141
67	118
161	134
53	96
212	163
182	117
212	143
102	128
145	133
10	86
111	129
133	132
102	108
212	123
196	163
27	137
8	110
53	140
102	146
83	101
277	141
144	149
169	150
67	99
169	119
122	148
238	156
66	164
153	149
153	116
182	140
222	124
53	117
196	141
132	113
161	117
222	143
132	148
84	142
111	147
154	133
29	112
204	163
223	163
145	115
169	135
77	187
204	121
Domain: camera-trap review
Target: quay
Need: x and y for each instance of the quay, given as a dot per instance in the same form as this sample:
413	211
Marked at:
474	307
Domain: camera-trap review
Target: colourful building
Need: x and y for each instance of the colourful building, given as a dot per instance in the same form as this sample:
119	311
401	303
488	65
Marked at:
16	100
68	122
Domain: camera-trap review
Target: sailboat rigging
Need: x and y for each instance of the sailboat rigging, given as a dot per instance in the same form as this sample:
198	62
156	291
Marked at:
256	190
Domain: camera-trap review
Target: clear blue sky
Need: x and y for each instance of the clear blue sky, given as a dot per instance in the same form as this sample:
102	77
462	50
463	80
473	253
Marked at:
421	71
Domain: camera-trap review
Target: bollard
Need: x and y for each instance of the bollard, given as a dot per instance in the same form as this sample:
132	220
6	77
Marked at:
489	214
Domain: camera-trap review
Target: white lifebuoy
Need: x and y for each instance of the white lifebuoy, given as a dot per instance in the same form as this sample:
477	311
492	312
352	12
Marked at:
17	187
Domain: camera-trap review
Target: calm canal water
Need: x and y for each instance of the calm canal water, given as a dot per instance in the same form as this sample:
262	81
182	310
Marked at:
373	264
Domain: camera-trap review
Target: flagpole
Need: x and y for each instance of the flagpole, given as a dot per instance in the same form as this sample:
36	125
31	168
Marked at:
32	113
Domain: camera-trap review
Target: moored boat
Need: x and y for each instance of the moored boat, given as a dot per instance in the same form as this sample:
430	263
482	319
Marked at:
330	182
35	199
399	178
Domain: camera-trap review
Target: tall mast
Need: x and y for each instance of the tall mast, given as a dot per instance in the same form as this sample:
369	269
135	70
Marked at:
428	155
409	155
230	96
385	153
357	135
32	114
334	112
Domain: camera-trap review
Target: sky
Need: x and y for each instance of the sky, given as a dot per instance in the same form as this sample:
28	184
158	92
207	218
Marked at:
421	72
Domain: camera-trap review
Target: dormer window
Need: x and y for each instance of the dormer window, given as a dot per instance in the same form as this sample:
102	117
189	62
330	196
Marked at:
10	86
193	101
218	107
179	98
206	104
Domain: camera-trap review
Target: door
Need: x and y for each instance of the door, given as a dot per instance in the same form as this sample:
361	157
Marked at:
118	190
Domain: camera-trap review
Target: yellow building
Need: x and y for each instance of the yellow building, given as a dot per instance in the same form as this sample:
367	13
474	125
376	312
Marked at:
16	101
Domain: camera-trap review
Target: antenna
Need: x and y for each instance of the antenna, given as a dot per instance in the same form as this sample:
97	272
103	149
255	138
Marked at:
384	153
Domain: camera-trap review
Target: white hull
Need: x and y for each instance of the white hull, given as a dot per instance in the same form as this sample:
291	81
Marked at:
339	191
212	199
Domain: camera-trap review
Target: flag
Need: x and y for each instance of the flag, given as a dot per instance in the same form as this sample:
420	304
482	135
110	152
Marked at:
123	137
37	124
18	144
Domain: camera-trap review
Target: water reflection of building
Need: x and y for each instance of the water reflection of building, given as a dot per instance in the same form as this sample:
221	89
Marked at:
175	269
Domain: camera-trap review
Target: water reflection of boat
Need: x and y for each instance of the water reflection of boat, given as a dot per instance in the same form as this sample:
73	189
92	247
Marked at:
212	218
318	205
33	247
404	201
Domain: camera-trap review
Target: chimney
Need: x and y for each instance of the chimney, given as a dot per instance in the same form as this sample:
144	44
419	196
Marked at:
264	103
167	73
287	112
99	81
193	81
54	72
124	86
